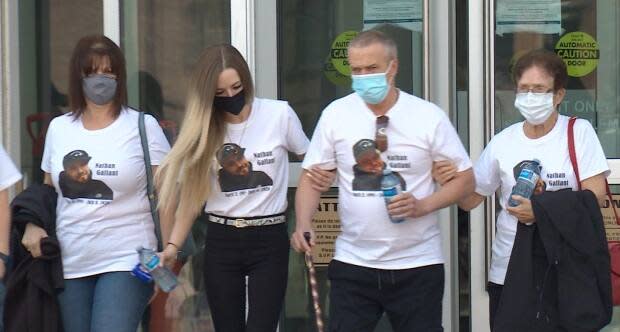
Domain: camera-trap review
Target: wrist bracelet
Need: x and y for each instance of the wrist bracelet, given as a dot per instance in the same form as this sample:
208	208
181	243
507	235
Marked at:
172	244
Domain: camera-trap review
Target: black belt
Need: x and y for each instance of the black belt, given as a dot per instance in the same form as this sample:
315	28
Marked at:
249	221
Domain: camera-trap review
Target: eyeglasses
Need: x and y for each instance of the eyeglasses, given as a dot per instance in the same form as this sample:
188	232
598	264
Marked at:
536	89
380	135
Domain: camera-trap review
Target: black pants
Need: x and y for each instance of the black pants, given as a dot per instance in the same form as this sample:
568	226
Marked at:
359	296
231	254
495	293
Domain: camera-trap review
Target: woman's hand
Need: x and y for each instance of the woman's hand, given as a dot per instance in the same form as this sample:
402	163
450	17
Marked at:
523	212
32	239
322	179
169	256
443	171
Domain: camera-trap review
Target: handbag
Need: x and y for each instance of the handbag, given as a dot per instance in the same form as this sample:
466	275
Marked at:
613	244
189	246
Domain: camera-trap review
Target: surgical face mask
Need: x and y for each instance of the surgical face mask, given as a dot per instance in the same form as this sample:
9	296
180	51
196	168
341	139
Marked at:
372	88
232	105
99	88
535	107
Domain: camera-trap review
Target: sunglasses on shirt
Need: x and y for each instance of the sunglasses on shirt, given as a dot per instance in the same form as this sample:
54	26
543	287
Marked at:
381	139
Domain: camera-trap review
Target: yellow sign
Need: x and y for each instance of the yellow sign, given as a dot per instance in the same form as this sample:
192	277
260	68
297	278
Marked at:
333	75
326	227
579	51
339	53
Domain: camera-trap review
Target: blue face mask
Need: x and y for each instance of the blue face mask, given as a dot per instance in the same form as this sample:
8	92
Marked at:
372	88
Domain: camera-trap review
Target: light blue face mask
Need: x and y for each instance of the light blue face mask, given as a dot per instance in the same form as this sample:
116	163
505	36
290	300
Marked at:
372	88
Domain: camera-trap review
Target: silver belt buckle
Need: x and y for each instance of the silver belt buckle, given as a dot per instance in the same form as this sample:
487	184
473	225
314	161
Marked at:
240	223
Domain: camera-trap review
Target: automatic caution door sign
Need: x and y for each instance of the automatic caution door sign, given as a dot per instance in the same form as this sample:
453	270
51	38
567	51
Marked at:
579	51
339	52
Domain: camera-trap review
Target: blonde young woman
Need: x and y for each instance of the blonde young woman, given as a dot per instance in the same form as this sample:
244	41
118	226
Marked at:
232	153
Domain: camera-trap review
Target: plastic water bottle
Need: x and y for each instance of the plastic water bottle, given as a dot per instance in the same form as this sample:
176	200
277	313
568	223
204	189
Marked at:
165	279
526	182
390	185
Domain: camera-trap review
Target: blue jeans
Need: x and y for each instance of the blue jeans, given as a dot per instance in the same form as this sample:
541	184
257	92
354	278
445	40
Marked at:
112	301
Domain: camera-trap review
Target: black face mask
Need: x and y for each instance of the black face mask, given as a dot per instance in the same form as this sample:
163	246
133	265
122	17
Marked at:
232	105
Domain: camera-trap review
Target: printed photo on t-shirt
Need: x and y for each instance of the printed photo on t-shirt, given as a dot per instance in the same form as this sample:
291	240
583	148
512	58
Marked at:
236	172
76	181
368	168
541	186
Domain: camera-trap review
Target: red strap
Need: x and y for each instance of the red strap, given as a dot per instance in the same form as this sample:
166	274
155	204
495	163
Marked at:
571	149
573	160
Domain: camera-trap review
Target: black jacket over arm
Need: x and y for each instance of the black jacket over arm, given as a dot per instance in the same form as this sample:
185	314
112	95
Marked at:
31	288
558	278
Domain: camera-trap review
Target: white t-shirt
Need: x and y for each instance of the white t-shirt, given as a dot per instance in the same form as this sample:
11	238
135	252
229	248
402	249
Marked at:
495	169
8	172
418	133
264	140
102	220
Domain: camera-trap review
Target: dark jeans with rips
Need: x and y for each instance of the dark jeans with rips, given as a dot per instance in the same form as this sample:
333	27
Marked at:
231	254
411	298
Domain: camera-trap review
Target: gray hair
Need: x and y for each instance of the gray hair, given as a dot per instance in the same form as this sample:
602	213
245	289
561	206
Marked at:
369	37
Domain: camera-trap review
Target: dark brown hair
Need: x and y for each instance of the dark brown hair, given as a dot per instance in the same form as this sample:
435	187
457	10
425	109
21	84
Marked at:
88	53
546	60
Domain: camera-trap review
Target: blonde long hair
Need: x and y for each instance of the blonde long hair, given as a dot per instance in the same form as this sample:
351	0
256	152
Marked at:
183	177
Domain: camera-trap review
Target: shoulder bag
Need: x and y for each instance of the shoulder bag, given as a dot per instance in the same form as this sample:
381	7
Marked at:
189	247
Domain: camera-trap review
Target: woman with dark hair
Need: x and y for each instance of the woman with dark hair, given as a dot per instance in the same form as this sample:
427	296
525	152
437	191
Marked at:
232	153
540	77
93	157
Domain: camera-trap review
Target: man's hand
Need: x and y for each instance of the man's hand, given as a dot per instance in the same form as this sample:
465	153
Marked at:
321	179
523	212
405	205
298	241
32	239
443	171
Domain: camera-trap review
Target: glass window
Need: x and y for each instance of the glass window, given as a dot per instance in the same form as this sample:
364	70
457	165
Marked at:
46	44
162	41
586	35
307	30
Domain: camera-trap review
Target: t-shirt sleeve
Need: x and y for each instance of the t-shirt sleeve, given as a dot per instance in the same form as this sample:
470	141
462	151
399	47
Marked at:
590	155
8	172
321	150
46	159
446	144
158	144
486	172
295	139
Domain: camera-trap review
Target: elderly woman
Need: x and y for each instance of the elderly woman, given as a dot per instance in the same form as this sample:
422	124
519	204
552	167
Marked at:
93	157
540	78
